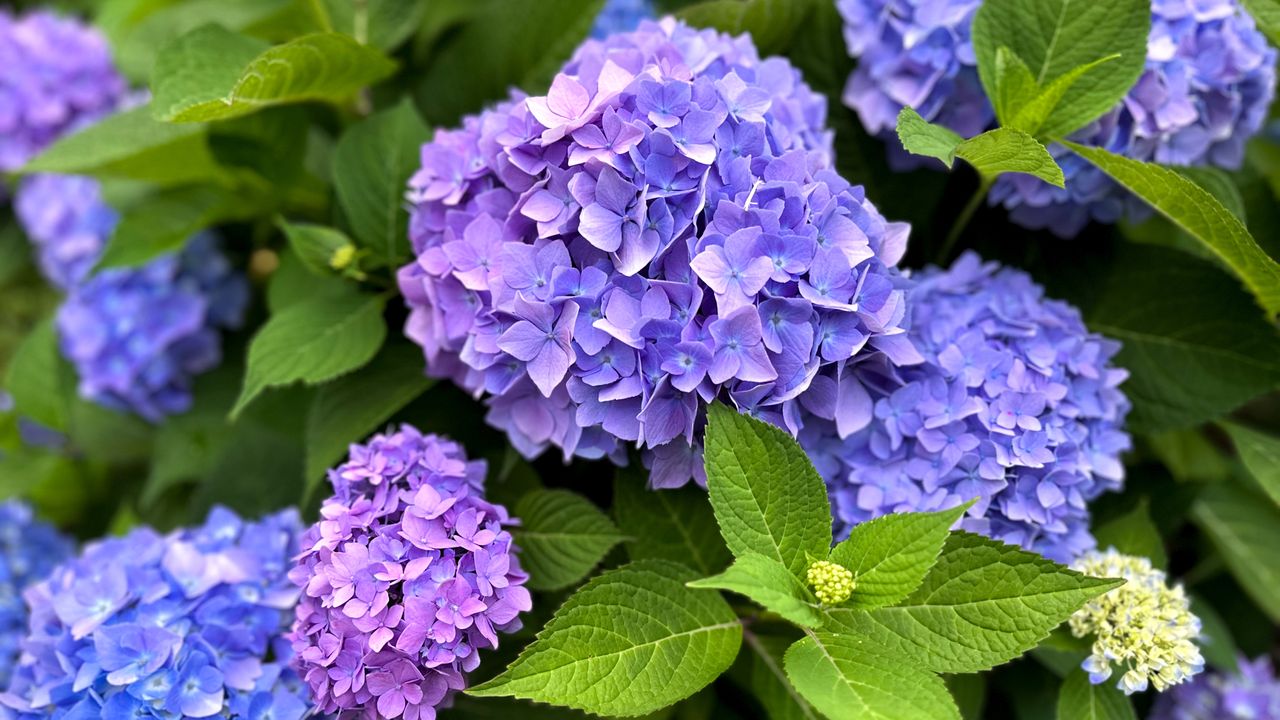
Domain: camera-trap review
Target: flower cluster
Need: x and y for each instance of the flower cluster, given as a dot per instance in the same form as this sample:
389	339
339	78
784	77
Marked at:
57	74
1144	626
832	583
150	626
29	550
620	16
1207	88
1251	693
659	230
136	336
1208	83
1016	404
408	575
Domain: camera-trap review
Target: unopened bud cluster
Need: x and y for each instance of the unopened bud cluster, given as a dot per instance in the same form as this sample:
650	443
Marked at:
832	583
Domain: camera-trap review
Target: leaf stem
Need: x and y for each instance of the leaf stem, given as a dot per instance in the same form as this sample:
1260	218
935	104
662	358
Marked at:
963	220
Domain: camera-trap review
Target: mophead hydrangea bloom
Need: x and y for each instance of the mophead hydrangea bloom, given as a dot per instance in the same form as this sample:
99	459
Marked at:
659	230
185	625
137	337
1016	404
1249	693
1143	627
55	74
1206	90
619	16
408	575
29	550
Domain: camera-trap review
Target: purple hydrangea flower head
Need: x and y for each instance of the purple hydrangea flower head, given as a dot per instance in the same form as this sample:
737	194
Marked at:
138	336
408	575
661	229
57	74
1015	404
1207	89
1251	693
188	624
29	550
68	222
620	16
1208	84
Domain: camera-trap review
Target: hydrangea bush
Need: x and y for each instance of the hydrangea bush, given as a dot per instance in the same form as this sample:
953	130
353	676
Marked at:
1209	82
660	230
409	574
1016	404
311	255
188	624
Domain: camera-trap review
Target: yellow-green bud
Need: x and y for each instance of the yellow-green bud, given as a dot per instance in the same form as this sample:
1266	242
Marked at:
832	583
342	257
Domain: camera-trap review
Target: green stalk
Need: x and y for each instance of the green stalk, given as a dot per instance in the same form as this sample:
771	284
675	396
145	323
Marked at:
963	220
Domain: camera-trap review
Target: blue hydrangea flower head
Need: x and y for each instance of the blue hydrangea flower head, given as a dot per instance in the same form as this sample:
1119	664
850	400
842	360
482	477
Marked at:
138	336
1250	693
1208	85
68	222
57	75
188	624
661	229
620	16
29	550
1015	404
408	575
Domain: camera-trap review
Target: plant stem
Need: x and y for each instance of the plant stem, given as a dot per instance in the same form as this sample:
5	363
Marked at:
962	222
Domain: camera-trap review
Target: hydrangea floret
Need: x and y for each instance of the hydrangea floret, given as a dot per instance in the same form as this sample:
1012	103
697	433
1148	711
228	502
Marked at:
136	336
407	576
1016	404
1209	81
188	624
1251	692
661	229
832	583
29	550
1144	627
619	16
57	75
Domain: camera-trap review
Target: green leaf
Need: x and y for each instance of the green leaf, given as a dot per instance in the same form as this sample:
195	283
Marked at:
631	641
676	525
921	137
214	74
891	555
1246	530
164	222
767	680
1134	534
767	497
769	583
1054	37
187	445
349	408
1267	14
1199	213
313	340
848	678
1260	454
771	23
1082	700
1194	354
315	245
371	168
384	24
35	381
992	153
292	283
132	145
1030	117
983	604
969	693
1016	87
562	536
1216	644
